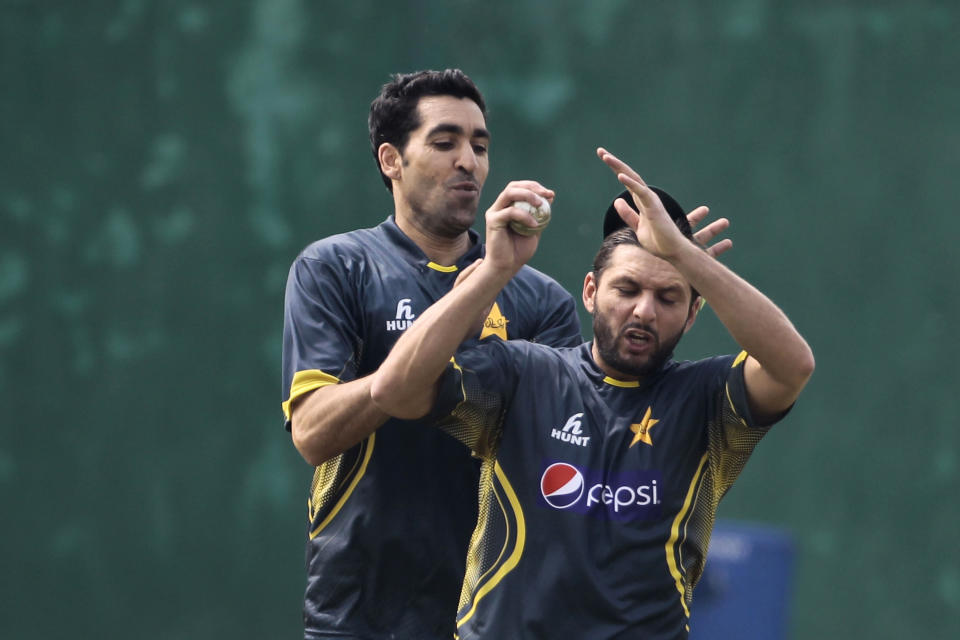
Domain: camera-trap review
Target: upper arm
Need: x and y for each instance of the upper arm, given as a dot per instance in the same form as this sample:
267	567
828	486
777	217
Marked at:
768	398
320	329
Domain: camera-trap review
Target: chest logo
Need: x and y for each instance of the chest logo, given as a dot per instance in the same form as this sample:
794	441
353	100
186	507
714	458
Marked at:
405	316
622	496
561	485
572	431
641	431
495	324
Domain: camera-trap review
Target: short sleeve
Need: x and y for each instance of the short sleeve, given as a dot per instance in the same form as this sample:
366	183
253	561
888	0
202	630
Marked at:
560	326
733	434
548	311
321	328
473	394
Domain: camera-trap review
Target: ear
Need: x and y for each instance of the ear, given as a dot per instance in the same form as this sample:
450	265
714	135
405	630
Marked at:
589	292
391	162
692	314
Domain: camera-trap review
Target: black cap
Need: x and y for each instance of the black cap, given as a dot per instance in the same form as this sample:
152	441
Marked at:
612	220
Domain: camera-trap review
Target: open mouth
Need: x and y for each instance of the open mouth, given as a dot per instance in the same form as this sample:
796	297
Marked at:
638	340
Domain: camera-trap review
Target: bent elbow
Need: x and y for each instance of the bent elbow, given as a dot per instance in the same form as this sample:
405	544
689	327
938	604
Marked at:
382	396
807	365
803	367
309	446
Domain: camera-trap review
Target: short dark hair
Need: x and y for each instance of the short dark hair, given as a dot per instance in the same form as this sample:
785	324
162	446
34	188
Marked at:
393	113
624	236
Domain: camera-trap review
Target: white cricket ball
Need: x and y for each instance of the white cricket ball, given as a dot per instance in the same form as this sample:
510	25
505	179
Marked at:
541	214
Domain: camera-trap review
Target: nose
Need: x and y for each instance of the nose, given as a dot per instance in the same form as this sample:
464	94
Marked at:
644	309
467	159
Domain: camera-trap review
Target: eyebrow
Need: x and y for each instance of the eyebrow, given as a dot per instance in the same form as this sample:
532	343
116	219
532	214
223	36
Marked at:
621	280
444	127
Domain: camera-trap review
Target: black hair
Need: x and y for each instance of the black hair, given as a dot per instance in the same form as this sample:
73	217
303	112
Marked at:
393	113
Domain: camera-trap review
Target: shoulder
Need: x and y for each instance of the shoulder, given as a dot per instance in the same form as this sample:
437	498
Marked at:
343	255
358	243
525	354
700	373
529	280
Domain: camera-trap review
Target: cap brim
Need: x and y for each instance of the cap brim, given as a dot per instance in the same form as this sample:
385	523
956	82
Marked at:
612	220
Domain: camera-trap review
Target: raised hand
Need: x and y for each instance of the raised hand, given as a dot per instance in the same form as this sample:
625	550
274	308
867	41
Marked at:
709	232
506	249
655	230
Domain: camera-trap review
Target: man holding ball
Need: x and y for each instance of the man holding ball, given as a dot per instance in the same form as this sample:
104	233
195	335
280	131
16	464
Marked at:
392	503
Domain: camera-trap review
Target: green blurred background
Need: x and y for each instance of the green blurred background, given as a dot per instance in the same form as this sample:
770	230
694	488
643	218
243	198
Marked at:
163	162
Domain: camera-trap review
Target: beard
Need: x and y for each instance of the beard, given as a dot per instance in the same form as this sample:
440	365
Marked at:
608	346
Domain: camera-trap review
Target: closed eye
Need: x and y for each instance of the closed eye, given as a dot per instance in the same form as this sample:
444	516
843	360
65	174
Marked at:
670	296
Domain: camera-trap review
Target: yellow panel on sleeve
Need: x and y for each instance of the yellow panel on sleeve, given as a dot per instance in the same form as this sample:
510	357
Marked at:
305	382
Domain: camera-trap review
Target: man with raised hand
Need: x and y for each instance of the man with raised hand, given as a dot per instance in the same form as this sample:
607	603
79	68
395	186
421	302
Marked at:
603	465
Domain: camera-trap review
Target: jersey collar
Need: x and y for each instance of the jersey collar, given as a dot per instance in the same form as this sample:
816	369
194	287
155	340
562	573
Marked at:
595	373
413	254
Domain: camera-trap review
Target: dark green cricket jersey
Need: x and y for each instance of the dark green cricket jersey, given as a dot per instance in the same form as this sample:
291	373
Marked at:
597	496
389	520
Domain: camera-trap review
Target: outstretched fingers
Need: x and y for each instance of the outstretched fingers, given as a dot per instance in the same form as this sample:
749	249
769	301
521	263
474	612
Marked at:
705	236
697	216
646	200
709	232
630	217
721	247
618	166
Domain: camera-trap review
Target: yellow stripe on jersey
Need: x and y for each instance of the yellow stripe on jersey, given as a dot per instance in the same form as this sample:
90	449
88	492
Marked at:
514	558
671	545
732	407
459	370
305	382
328	479
626	384
440	267
506	536
367	454
740	358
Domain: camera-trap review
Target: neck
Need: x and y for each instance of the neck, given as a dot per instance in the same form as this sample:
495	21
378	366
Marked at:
441	249
607	369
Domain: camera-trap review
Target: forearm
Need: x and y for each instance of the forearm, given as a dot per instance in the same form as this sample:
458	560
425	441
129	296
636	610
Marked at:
330	420
752	319
405	384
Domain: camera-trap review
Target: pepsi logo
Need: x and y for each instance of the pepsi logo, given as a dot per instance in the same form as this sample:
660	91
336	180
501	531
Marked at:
561	485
